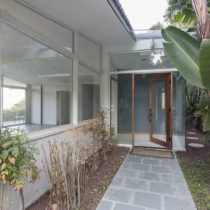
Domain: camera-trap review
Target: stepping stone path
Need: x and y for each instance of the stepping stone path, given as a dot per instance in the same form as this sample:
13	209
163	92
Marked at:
196	145
148	183
192	138
191	133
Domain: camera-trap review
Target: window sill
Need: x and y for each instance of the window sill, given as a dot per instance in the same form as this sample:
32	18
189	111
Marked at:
37	135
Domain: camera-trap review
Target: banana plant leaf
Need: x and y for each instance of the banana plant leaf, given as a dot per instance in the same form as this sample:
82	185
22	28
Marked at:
204	63
185	17
183	51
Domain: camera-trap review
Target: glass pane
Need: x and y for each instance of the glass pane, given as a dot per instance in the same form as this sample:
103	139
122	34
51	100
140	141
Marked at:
143	60
46	75
159	111
178	112
124	103
14	107
89	93
89	53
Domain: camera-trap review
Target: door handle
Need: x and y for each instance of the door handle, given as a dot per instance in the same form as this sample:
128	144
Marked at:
150	116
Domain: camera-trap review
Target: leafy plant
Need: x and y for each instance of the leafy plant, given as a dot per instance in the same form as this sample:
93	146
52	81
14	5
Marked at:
16	160
66	170
175	7
190	57
185	17
193	98
100	129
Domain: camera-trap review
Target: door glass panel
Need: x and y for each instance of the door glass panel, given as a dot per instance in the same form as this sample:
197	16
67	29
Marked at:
159	110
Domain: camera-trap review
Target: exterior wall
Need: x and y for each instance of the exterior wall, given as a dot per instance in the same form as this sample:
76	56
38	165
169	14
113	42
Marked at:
66	42
33	191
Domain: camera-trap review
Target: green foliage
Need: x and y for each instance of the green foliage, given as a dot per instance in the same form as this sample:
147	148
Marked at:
204	63
197	177
191	58
194	96
17	109
157	26
183	51
176	6
16	158
205	113
185	17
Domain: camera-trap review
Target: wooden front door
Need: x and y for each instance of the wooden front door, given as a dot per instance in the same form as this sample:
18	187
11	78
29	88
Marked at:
160	115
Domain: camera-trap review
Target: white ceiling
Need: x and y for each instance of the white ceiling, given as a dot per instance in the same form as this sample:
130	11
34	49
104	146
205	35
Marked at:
94	18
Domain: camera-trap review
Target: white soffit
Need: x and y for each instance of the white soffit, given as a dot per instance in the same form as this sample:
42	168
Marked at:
93	18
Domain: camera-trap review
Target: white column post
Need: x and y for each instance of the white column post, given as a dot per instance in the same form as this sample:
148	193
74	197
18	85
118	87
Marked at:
75	99
105	80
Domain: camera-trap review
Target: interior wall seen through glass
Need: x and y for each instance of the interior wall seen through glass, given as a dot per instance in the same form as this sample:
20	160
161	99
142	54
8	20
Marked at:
46	75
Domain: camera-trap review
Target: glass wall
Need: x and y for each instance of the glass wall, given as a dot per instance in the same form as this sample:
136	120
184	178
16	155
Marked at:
142	118
178	112
37	82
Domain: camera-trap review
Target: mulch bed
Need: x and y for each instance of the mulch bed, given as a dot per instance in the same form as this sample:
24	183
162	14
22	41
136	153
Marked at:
195	164
97	183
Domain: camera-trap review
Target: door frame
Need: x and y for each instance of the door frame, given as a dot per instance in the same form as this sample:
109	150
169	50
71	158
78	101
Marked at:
168	100
168	107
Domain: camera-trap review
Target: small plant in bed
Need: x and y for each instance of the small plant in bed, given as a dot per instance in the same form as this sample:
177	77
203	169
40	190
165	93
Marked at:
17	161
101	133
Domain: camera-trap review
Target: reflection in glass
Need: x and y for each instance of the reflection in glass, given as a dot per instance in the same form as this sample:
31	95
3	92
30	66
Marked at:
14	106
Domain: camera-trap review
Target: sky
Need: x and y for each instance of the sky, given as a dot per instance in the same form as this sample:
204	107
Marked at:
143	14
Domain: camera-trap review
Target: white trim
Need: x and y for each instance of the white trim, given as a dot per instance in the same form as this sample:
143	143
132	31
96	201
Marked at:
149	71
37	135
75	81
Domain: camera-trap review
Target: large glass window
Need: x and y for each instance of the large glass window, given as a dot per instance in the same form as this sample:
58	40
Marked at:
89	91
38	82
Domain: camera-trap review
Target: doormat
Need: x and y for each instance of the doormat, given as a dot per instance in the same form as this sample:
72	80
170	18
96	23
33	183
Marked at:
152	152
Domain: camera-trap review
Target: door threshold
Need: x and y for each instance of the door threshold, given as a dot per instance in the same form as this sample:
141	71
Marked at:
152	152
155	148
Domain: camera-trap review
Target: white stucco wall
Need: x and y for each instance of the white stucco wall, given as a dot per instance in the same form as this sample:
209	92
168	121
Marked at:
32	191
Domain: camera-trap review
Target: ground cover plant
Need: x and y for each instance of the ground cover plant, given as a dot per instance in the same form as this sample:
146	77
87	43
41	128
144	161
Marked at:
195	166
